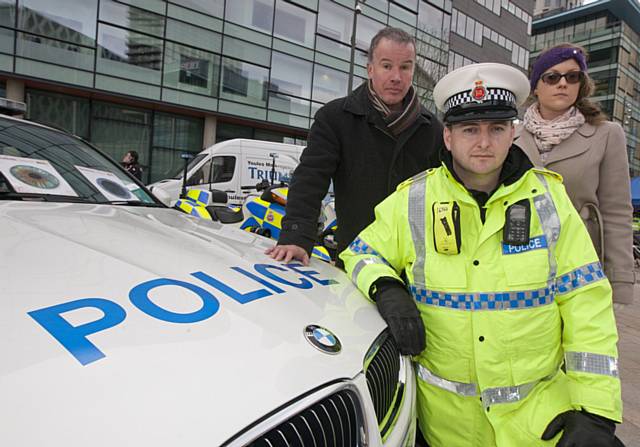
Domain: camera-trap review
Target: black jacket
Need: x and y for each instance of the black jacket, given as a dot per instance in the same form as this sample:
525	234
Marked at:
349	143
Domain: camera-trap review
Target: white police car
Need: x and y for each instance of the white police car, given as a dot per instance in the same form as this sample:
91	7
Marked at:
126	323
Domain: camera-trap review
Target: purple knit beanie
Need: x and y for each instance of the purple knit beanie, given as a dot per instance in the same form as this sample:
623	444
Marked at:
553	57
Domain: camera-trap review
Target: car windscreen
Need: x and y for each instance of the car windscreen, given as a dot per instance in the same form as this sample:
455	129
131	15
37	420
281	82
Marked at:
38	162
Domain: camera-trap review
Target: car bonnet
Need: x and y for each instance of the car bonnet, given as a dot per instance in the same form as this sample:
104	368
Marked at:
145	326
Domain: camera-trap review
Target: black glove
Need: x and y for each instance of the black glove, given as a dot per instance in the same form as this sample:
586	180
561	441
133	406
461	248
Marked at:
400	312
582	429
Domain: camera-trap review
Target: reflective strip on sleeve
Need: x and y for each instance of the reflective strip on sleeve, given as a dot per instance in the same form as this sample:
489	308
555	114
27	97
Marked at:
591	363
490	396
579	277
550	222
417	222
360	247
362	264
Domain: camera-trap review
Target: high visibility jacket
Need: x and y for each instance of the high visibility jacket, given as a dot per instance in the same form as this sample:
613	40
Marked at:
500	319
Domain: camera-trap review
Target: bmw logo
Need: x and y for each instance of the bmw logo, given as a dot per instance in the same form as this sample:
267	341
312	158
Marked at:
322	339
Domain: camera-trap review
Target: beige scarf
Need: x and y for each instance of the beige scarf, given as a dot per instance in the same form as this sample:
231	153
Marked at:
549	133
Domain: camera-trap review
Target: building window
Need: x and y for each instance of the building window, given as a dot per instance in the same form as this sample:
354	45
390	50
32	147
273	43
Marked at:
128	54
334	21
430	20
328	84
211	7
295	24
133	18
244	82
190	69
8	13
227	131
119	129
235	81
173	135
257	14
54	51
290	75
61	111
366	29
74	22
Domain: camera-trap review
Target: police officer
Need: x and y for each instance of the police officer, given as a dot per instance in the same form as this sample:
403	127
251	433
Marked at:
505	306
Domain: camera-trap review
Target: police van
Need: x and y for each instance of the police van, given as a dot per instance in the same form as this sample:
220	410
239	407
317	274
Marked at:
128	323
235	167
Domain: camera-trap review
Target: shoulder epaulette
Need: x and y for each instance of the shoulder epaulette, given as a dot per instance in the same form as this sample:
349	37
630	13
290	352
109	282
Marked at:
416	178
548	173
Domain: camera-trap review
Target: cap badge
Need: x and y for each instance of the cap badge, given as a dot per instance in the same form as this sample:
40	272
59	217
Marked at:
479	91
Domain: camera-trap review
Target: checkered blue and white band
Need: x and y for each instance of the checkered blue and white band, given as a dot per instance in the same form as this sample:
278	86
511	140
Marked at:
360	247
493	94
521	299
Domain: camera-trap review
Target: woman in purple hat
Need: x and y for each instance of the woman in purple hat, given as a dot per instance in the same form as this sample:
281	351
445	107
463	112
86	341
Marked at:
565	132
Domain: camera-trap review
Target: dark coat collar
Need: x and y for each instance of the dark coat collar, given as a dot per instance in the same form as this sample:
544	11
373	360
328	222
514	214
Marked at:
358	103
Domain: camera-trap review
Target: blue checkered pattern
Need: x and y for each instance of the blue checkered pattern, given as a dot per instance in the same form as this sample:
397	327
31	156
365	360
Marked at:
484	301
360	247
580	277
521	299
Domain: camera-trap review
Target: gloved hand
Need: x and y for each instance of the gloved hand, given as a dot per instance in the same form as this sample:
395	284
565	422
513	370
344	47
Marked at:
582	429
400	312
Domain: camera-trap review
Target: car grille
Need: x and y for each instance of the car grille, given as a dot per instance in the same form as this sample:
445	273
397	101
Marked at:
333	421
382	374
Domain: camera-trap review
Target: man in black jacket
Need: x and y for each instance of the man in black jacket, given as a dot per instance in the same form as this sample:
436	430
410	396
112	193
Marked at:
367	143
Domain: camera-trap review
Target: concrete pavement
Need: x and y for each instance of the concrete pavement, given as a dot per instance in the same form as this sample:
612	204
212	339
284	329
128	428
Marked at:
628	320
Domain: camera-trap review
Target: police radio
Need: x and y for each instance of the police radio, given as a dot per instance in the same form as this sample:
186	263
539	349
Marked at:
517	223
446	227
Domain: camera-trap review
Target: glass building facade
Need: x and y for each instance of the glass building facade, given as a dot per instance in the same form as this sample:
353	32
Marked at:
611	37
145	74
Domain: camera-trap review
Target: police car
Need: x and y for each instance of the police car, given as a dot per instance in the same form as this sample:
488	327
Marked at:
127	323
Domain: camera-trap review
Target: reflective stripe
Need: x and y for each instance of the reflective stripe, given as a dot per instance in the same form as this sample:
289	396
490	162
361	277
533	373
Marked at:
580	277
550	222
520	299
508	394
360	247
362	264
591	363
417	222
484	301
490	396
463	389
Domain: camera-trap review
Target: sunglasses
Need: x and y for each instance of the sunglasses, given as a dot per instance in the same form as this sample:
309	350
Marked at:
572	77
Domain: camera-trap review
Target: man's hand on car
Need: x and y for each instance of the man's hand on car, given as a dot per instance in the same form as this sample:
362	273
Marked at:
400	312
286	253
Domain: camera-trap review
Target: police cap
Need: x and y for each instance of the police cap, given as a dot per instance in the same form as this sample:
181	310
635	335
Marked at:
486	91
